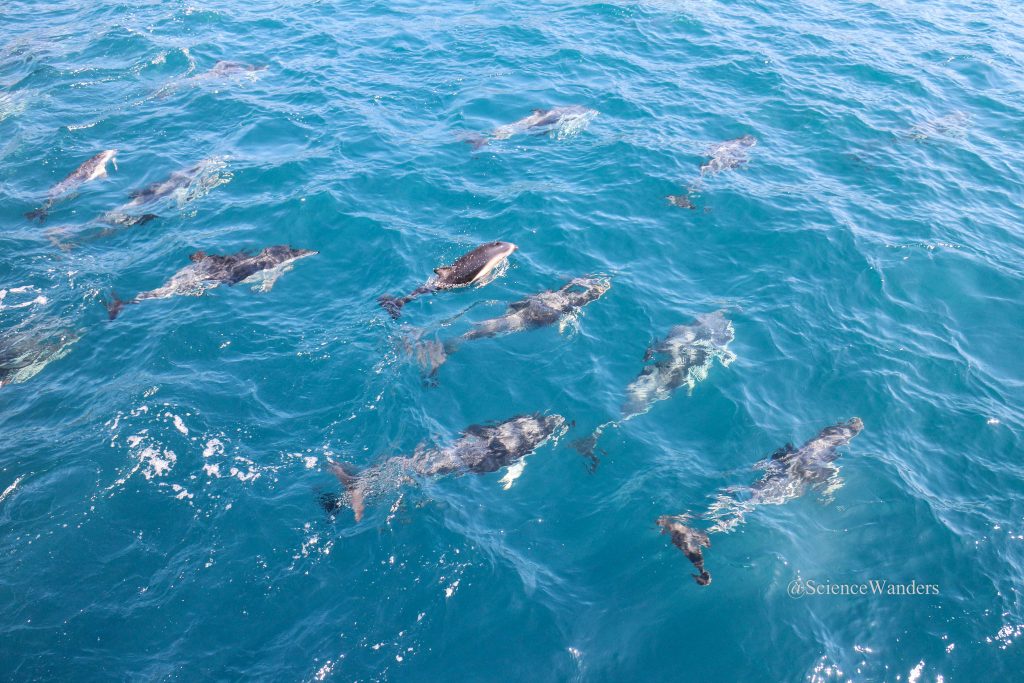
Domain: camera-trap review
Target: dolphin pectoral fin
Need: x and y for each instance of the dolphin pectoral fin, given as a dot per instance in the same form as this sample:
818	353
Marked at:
512	472
727	358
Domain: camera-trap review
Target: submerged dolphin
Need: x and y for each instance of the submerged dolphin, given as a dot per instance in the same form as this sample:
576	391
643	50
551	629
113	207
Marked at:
683	358
208	271
788	474
688	540
539	310
479	449
186	185
24	355
220	71
724	156
94	168
569	118
470	268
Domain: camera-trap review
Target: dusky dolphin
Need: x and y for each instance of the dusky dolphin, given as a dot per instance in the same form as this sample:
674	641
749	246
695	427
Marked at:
221	71
788	473
208	271
688	540
723	156
95	167
24	355
681	359
185	186
539	310
472	267
566	120
480	449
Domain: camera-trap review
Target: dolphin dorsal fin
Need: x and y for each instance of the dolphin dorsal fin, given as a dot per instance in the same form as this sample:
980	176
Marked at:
539	112
788	449
518	305
196	257
442	271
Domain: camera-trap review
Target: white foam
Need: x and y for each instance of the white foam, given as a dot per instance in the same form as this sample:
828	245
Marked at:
213	447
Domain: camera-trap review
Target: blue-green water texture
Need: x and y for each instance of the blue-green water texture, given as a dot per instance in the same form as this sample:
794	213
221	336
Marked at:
162	474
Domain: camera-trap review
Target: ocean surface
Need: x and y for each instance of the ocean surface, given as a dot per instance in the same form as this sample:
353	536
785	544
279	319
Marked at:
161	474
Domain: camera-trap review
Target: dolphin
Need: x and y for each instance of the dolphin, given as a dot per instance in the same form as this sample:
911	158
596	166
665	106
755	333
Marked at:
688	540
24	355
788	473
186	185
683	358
480	449
221	71
225	69
95	167
727	155
569	118
208	271
539	310
472	267
724	156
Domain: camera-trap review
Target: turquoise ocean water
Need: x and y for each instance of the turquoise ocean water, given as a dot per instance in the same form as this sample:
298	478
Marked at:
160	475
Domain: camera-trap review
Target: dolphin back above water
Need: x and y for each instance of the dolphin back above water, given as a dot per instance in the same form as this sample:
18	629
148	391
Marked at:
95	167
567	120
788	474
471	268
208	271
480	449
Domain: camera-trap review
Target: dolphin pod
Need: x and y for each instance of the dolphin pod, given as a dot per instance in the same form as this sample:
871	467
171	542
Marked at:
471	268
480	449
682	359
787	474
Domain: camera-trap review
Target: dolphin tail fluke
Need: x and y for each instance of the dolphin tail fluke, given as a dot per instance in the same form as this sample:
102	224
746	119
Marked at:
114	305
587	447
39	214
350	480
702	579
392	304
